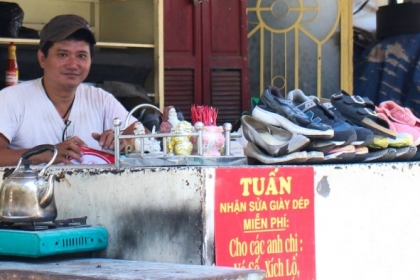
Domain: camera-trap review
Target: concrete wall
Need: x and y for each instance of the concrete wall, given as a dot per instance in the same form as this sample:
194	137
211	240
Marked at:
366	215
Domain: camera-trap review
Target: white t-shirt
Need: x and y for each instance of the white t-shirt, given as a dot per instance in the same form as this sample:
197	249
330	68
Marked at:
28	118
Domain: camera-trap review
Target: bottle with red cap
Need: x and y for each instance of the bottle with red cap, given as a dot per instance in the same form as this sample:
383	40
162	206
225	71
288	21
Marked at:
12	72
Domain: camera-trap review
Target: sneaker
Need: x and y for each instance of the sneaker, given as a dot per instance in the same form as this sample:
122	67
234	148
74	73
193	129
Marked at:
379	142
402	140
361	153
416	157
397	113
364	136
405	153
398	126
361	111
344	134
320	145
273	108
345	153
383	155
314	157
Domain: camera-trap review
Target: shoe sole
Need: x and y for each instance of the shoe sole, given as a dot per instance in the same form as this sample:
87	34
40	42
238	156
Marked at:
365	142
340	157
321	146
339	143
381	155
416	156
278	120
315	157
252	151
406	153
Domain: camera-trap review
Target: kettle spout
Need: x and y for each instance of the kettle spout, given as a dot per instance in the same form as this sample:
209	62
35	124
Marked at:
47	195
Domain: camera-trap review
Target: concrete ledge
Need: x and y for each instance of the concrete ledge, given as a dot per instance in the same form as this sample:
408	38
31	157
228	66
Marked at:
119	269
366	215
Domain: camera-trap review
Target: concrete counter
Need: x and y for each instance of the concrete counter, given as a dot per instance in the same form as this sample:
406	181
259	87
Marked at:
366	215
120	270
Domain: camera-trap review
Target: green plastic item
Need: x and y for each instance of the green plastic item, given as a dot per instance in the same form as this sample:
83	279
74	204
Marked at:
254	101
40	243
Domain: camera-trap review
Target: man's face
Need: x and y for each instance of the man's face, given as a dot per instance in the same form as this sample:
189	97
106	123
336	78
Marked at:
67	64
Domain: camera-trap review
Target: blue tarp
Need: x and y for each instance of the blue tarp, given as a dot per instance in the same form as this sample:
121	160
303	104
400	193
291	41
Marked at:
390	70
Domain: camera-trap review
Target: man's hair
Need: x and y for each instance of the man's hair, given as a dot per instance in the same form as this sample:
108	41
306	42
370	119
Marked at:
79	35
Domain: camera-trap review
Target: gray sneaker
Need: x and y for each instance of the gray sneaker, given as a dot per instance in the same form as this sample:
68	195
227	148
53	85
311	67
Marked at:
344	133
273	108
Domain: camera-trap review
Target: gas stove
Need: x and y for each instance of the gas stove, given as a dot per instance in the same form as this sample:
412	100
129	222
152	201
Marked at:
51	238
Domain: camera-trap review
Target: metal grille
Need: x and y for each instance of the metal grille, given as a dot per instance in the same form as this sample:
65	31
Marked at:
179	90
74	242
226	95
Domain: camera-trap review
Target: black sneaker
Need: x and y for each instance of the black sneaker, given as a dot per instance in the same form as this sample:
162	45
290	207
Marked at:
344	134
364	135
273	108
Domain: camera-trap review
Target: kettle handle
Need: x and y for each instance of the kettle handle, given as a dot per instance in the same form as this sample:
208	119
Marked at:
37	150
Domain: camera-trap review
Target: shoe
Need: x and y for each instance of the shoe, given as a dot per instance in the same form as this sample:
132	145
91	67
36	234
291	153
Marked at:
405	153
384	155
398	126
273	108
364	136
344	133
399	114
361	154
256	155
274	140
320	145
402	140
382	142
345	153
314	157
360	110
241	140
416	156
379	142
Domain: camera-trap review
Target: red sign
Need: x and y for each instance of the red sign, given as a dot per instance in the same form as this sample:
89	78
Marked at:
264	219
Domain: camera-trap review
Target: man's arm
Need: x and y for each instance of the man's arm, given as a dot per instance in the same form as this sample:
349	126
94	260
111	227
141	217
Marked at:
8	157
67	149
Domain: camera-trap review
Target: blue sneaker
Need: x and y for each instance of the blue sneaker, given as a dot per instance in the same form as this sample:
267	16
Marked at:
273	108
344	133
364	135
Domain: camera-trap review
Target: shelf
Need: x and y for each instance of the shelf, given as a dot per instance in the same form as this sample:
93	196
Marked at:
118	24
128	22
22	41
98	1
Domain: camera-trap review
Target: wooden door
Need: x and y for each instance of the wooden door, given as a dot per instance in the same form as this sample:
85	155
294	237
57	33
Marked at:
206	60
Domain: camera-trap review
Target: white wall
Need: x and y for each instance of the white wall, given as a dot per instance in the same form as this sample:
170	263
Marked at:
367	227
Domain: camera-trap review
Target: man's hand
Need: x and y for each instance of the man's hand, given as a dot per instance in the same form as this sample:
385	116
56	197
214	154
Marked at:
105	140
70	149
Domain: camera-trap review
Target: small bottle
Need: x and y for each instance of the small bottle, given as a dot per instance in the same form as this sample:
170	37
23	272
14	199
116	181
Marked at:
12	72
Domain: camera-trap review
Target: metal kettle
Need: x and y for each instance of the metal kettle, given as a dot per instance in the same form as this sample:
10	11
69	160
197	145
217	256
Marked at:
27	195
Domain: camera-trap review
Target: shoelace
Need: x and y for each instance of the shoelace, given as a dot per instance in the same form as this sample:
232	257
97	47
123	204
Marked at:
404	117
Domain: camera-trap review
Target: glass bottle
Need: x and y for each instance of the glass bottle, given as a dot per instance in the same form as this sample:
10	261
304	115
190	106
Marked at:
12	72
